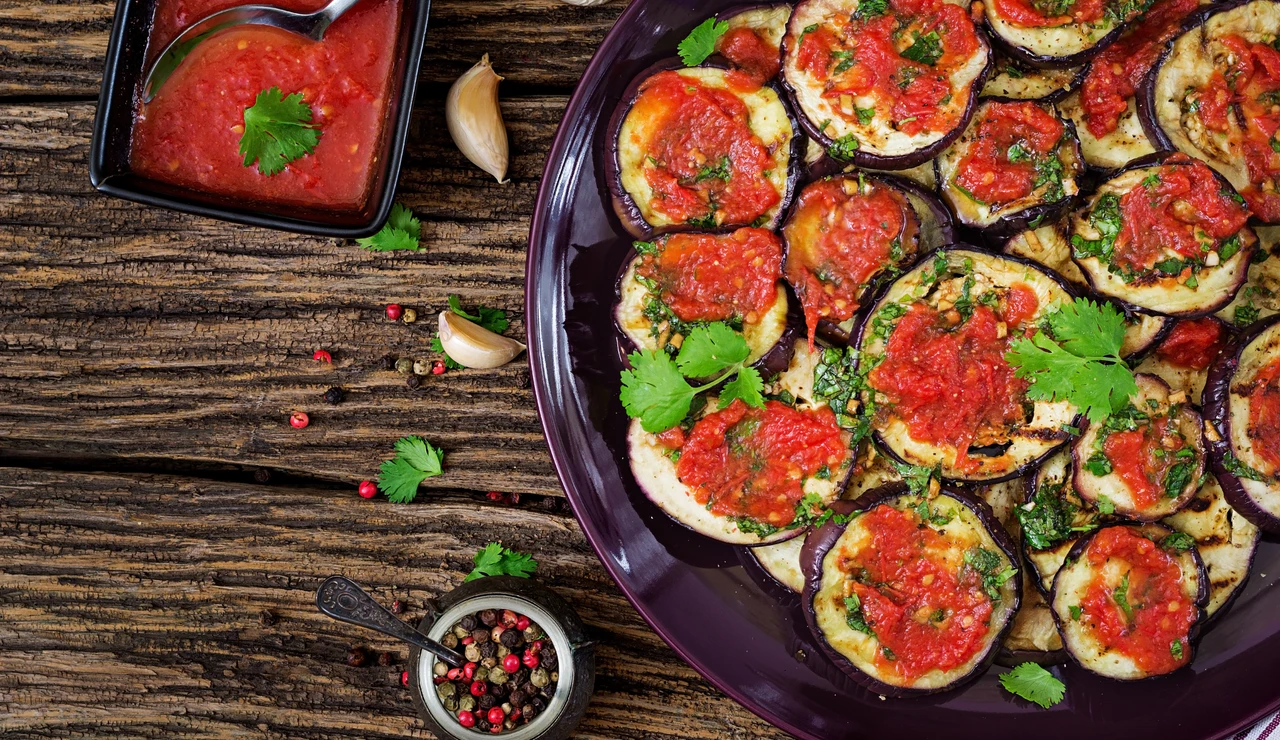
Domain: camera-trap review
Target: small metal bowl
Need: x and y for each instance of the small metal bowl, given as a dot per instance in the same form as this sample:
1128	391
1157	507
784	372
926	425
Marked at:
576	662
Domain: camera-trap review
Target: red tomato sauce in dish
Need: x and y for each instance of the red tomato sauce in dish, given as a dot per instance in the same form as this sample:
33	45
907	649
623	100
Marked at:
1032	14
951	385
749	462
865	57
1159	612
189	134
710	277
1142	458
926	613
750	53
1011	138
1264	414
1116	72
1166	215
704	159
1193	343
1255	92
840	236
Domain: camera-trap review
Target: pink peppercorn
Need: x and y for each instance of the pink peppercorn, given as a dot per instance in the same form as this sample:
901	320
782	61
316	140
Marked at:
522	623
437	367
511	663
394	311
322	356
368	489
466	719
299	420
496	716
479	688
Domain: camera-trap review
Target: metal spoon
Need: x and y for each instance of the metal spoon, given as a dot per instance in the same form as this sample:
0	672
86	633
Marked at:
311	25
343	600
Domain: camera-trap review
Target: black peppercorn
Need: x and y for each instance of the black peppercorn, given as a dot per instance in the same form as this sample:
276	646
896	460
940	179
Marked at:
486	702
488	617
511	639
530	711
520	677
529	688
413	381
499	691
357	656
539	703
550	662
468	622
517	698
482	725
333	396
388	362
488	650
481	635
386	659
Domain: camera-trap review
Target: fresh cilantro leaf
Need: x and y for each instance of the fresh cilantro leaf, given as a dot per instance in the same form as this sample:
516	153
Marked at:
1120	594
1076	612
496	560
1033	683
1098	464
654	391
1080	362
1105	506
277	130
926	49
854	617
844	148
399	233
986	562
493	319
1050	519
710	349
416	460
1178	542
1175	648
721	171
871	8
916	477
701	42
747	387
1240	469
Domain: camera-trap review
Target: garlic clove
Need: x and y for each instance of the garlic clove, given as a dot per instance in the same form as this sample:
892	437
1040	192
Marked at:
474	346
475	120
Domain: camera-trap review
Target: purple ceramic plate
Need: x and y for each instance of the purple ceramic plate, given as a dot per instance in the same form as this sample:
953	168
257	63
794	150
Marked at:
708	600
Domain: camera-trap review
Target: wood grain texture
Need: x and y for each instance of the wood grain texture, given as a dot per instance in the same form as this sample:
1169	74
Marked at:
58	47
131	606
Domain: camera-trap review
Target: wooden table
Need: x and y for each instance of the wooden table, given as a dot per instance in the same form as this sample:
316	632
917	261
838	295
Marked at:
163	528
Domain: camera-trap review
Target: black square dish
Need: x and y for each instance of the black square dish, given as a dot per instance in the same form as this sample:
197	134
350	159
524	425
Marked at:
109	168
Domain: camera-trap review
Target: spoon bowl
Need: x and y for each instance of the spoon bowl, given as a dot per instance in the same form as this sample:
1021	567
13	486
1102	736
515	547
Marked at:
342	599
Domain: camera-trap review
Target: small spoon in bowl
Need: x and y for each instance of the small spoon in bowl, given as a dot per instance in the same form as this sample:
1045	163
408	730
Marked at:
311	25
342	599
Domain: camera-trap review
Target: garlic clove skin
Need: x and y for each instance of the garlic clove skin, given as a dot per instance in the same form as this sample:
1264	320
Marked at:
475	120
474	346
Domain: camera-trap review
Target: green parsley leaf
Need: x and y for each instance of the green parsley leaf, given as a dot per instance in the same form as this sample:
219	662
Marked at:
926	49
1178	542
415	461
1080	363
496	560
1120	595
654	391
399	233
871	9
747	387
277	130
493	319
1033	683
710	349
854	617
701	42
1051	518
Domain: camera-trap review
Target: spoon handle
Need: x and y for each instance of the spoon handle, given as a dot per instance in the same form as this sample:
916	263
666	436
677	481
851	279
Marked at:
343	600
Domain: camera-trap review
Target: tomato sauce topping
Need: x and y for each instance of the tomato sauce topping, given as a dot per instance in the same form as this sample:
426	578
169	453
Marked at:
1049	13
842	234
1009	141
1117	71
752	463
1142	613
189	134
704	162
898	63
951	385
1193	343
1169	214
751	53
715	277
1264	414
926	612
1143	457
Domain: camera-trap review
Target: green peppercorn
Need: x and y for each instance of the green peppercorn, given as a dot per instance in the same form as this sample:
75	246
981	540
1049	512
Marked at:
404	366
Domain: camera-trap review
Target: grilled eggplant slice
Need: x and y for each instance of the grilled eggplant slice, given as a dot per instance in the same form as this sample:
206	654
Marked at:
660	300
941	325
1034	635
1054	518
1145	460
751	43
1242	405
1011	79
1015	164
945	558
1129	601
1225	540
869	100
1114	149
1187	104
1065	36
700	148
1182	358
782	562
1166	235
1260	296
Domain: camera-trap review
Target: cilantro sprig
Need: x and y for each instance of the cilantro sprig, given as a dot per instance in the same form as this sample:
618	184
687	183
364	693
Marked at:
493	319
1075	357
416	460
277	130
399	233
496	560
1033	683
656	390
701	42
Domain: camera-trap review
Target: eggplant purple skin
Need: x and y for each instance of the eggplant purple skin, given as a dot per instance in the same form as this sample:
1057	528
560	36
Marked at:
830	331
1045	62
1008	226
771	363
1158	158
624	206
820	542
1202	598
876	161
868	310
1217	411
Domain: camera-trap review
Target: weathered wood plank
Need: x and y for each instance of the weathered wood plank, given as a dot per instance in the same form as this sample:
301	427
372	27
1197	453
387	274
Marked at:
135	332
130	606
57	47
